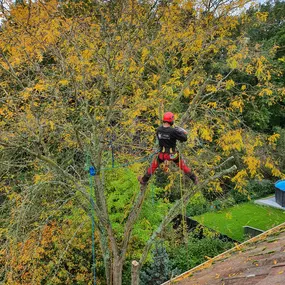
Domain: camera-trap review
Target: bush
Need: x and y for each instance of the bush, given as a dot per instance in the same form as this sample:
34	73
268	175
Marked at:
259	189
240	197
255	189
197	205
196	252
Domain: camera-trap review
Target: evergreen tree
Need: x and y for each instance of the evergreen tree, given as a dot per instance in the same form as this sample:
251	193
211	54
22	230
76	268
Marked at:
159	270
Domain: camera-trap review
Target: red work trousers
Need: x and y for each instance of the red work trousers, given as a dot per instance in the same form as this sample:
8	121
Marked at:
162	156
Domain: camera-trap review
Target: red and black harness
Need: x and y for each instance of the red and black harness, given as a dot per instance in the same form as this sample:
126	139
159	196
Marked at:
166	155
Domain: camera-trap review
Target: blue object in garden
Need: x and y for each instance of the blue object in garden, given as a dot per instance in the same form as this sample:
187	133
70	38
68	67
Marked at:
280	192
92	170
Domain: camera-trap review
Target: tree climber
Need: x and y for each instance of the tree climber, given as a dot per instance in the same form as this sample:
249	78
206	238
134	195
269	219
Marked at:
167	136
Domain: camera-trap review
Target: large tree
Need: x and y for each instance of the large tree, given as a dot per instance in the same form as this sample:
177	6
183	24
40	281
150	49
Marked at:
81	77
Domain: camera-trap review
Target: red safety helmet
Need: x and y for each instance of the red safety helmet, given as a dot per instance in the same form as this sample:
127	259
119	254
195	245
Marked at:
168	117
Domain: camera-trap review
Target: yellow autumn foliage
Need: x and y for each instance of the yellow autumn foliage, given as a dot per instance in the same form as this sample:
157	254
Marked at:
231	141
273	139
253	164
240	180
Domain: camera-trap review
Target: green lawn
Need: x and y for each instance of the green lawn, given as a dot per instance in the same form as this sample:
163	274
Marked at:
231	221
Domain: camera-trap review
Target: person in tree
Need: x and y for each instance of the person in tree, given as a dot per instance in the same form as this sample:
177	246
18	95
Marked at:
167	137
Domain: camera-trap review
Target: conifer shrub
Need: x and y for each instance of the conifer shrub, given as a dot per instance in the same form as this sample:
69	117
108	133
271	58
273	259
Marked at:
160	269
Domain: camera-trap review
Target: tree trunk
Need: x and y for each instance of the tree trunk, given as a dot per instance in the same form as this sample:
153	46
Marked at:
106	254
117	270
135	273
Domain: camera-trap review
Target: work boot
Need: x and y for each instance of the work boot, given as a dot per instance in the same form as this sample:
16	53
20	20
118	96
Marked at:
144	179
193	177
140	179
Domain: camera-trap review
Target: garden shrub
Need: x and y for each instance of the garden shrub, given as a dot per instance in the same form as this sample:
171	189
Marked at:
197	205
259	189
255	189
240	197
185	257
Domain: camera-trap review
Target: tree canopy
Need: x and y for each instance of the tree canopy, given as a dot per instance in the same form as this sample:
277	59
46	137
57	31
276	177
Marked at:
83	82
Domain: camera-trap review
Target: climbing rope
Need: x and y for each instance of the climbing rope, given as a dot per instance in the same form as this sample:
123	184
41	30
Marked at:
183	214
92	173
152	188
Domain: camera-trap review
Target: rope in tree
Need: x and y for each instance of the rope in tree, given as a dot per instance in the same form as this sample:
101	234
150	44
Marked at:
152	190
182	203
92	172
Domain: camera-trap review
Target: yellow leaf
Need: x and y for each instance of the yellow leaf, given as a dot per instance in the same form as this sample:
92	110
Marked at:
40	86
133	66
188	5
26	95
87	54
212	104
211	88
237	104
265	91
273	139
51	125
229	84
206	134
261	16
145	53
240	180
37	178
186	92
232	63
249	69
229	216
63	82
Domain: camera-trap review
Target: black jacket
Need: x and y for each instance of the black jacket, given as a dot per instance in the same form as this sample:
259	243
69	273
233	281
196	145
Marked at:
167	137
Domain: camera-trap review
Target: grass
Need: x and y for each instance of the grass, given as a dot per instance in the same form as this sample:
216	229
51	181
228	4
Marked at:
231	221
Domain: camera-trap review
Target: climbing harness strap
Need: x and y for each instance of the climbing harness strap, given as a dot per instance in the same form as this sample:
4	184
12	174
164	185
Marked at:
167	150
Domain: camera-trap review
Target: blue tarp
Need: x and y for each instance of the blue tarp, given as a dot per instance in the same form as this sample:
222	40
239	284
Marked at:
280	185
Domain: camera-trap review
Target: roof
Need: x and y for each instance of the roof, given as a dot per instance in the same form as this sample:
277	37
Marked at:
260	261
